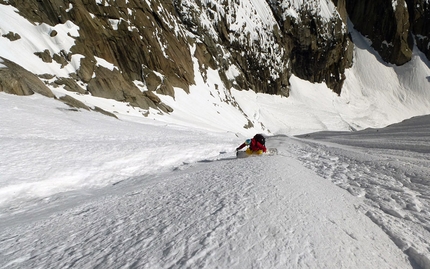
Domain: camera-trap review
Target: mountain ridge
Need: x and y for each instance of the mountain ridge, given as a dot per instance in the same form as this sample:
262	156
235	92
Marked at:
147	47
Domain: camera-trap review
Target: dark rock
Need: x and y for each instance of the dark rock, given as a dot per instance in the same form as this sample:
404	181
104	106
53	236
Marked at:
165	108
53	33
86	69
341	8
205	57
16	80
113	85
419	17
259	62
46	76
104	112
386	27
70	85
45	56
319	50
12	36
51	12
60	59
154	98
72	102
108	84
151	79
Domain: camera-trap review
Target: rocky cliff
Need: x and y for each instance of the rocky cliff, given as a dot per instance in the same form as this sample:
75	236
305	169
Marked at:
419	17
253	45
393	26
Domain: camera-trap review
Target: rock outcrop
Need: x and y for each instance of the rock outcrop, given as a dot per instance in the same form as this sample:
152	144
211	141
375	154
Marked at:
128	35
319	48
419	17
386	24
16	80
392	26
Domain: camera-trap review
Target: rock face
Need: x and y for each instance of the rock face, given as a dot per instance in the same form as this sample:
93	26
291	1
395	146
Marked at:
319	47
419	17
392	26
16	80
386	24
251	45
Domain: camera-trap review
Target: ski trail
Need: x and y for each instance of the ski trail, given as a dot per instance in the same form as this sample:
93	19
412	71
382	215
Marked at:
247	213
394	185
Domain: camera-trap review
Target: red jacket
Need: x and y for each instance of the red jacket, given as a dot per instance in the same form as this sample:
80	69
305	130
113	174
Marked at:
254	145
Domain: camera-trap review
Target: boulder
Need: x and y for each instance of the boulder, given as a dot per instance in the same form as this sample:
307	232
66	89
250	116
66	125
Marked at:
12	36
45	56
14	79
70	85
72	102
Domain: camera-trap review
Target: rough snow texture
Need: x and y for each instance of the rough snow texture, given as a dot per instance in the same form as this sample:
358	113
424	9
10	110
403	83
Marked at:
244	213
82	189
390	169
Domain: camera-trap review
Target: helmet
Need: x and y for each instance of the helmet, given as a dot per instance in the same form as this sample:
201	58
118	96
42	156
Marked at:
260	138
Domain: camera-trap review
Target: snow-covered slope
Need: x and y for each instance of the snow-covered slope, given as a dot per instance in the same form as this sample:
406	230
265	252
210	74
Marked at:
83	189
251	213
160	208
78	188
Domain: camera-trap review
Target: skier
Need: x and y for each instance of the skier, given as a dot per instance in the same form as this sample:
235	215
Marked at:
256	145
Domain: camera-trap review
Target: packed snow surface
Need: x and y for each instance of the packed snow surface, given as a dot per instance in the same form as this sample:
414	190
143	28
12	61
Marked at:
80	189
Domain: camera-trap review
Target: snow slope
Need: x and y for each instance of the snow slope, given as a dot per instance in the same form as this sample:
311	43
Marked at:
48	148
267	212
389	168
80	189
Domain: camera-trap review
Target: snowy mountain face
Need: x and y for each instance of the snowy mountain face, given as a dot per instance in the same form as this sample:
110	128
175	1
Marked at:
132	51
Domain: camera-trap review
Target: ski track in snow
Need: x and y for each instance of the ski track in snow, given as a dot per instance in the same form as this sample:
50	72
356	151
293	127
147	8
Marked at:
247	213
394	184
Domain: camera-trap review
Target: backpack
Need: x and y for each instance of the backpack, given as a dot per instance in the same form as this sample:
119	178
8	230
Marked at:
260	138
